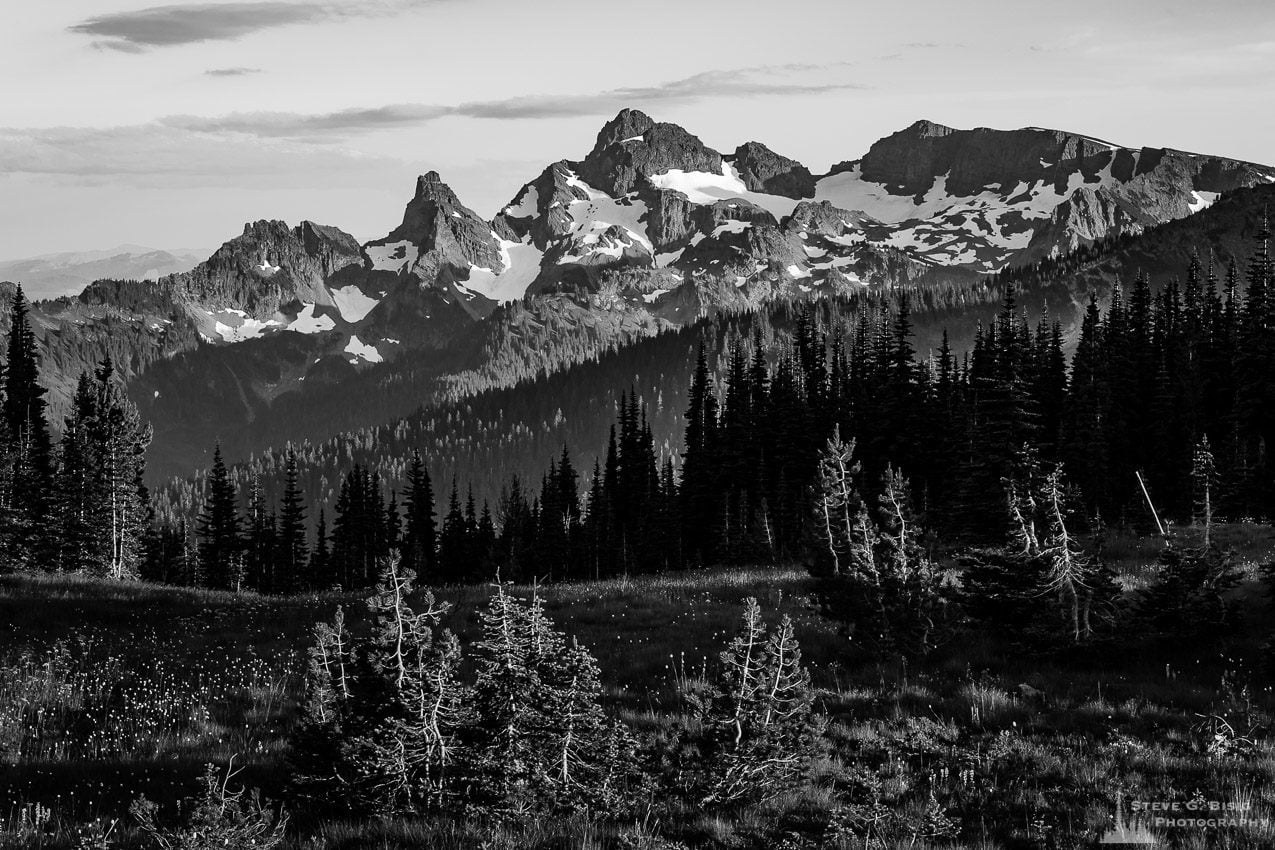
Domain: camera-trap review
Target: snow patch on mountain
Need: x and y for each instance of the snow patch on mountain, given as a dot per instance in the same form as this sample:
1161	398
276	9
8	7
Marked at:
527	205
601	211
237	326
729	227
704	187
362	351
522	265
1202	200
980	230
307	322
393	257
352	303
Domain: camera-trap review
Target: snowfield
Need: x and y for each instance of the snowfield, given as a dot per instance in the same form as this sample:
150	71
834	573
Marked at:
594	216
522	264
526	205
1202	200
393	257
704	187
951	229
308	323
352	303
362	351
237	326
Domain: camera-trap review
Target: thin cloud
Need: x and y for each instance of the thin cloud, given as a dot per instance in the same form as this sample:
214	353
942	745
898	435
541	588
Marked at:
156	155
274	149
231	72
744	82
168	26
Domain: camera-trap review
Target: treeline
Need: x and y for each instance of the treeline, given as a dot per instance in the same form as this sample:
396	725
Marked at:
76	504
515	429
493	448
619	518
1156	380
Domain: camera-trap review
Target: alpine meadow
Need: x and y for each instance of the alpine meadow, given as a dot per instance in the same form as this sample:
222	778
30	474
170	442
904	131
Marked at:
917	495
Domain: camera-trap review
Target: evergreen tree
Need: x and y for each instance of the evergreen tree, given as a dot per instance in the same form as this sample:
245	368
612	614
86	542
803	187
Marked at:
1041	589
418	533
1203	486
119	440
261	550
26	479
293	550
453	543
699	497
1186	598
383	714
220	546
838	524
538	739
79	510
756	728
320	567
886	590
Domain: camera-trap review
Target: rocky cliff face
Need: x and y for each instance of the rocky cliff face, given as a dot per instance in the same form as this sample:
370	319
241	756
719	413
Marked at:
1032	193
267	267
763	170
909	161
438	232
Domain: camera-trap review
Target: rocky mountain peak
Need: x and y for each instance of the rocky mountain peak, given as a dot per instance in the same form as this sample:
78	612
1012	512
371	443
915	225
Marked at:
430	185
626	125
264	229
631	146
763	170
909	161
267	266
325	239
432	203
443	232
927	129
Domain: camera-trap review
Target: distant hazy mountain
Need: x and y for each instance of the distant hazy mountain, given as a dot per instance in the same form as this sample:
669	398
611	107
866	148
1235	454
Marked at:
52	275
288	333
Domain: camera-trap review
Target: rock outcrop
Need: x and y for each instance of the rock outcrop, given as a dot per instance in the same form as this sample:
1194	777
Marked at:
267	267
763	170
442	232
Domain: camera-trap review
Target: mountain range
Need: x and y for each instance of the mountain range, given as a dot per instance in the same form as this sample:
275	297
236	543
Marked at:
289	333
67	273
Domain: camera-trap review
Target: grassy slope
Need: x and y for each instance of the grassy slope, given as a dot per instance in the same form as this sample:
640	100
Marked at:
198	676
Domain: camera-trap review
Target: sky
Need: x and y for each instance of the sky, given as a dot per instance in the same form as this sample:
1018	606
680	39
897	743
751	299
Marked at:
172	125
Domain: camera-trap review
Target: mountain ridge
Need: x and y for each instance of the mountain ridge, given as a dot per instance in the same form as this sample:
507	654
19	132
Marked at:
650	230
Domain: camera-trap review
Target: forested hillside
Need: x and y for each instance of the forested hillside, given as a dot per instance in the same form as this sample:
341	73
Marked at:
485	438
